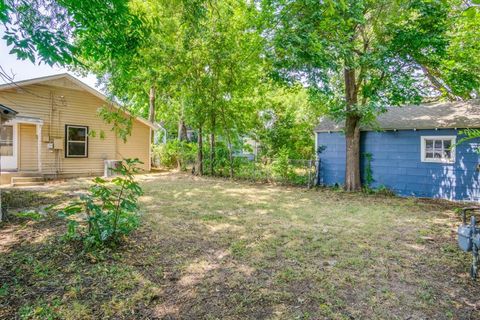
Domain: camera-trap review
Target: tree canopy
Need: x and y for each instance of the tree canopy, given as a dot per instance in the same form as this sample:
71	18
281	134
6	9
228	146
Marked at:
46	31
265	68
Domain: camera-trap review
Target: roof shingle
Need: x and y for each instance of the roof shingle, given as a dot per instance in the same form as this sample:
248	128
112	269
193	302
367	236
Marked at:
426	116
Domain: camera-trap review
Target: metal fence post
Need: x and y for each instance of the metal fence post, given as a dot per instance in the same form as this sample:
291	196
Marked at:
309	173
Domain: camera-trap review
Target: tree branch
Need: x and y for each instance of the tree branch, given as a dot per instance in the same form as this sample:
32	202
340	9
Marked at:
438	84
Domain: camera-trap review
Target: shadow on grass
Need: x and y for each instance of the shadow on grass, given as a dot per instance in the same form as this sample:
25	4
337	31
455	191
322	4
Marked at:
228	250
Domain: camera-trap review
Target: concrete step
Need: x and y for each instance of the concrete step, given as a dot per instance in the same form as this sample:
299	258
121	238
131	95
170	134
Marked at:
27	181
27	184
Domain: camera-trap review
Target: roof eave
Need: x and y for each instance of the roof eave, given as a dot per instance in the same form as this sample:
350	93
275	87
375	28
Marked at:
84	86
398	129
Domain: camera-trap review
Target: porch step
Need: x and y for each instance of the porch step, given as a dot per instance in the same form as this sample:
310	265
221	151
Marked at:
27	181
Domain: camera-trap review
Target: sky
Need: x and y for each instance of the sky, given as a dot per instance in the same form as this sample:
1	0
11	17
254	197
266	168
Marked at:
23	70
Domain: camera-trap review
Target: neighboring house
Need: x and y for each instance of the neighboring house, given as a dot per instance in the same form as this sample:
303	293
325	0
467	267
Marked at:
415	151
250	148
161	134
58	132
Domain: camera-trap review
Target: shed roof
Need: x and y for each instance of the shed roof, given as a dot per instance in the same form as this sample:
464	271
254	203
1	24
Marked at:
425	116
77	82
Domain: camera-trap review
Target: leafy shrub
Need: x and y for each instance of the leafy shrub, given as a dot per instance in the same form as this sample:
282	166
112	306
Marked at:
247	169
368	170
281	166
221	164
108	211
174	154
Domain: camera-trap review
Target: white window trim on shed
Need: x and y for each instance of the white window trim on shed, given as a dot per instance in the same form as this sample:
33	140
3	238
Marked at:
453	140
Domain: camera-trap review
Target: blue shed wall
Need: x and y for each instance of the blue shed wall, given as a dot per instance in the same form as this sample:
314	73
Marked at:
396	164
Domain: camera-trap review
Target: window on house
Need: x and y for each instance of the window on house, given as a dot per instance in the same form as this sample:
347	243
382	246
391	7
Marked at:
6	140
76	141
438	149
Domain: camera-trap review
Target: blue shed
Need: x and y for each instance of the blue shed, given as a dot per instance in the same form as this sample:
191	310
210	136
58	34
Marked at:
414	151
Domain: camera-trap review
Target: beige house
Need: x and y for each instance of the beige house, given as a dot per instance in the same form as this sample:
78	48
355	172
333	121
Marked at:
58	132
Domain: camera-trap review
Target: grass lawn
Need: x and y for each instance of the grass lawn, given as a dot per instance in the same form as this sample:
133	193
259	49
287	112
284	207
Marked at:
217	249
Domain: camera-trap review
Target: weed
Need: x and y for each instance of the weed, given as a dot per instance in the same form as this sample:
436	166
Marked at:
30	214
238	248
110	210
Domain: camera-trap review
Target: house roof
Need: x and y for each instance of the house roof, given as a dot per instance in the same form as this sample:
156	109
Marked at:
77	82
441	115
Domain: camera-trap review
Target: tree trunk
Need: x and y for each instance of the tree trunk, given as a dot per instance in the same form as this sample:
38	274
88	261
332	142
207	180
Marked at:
200	153
182	130
212	153
151	101
352	139
212	146
182	136
230	154
352	134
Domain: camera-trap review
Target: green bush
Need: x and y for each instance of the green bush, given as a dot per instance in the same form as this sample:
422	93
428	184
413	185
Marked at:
368	170
222	162
108	211
281	166
247	169
221	165
174	153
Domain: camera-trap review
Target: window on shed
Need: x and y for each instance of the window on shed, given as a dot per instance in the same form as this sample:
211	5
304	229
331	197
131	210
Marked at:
438	149
76	141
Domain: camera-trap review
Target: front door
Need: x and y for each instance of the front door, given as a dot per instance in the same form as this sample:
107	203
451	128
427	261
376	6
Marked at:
8	146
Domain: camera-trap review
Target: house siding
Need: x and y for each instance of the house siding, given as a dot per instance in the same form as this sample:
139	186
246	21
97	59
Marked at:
396	164
135	145
62	103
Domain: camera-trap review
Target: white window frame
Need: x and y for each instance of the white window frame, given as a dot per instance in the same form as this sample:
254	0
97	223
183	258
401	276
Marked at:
67	141
438	160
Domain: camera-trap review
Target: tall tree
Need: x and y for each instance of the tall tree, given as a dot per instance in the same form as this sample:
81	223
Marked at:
287	121
203	60
360	56
225	63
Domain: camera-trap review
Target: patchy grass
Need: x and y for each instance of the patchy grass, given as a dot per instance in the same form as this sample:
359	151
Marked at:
216	249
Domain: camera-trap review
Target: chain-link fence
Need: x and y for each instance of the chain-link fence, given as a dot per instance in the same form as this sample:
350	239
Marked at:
293	171
299	172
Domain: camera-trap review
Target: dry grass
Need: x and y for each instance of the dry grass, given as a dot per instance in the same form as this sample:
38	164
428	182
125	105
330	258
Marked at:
216	249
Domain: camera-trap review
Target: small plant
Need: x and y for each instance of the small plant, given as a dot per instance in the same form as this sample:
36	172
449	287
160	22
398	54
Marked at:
320	149
385	191
108	211
368	170
280	166
30	215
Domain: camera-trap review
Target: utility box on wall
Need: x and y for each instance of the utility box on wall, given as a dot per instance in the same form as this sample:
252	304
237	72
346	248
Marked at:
58	144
